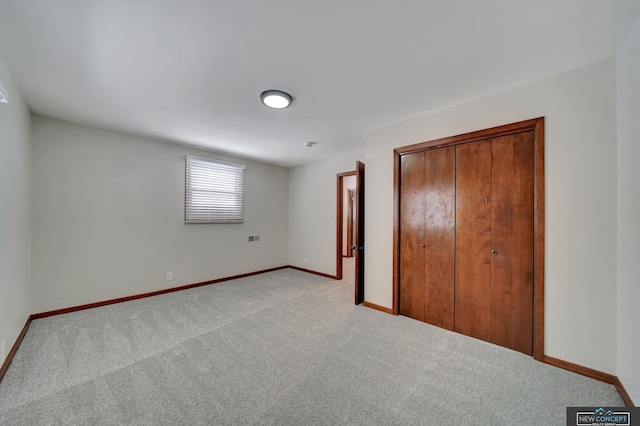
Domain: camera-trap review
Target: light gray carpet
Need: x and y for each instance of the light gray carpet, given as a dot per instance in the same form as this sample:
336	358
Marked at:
282	348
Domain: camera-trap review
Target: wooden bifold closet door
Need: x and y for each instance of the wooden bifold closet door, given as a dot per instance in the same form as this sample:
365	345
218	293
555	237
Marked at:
466	238
428	236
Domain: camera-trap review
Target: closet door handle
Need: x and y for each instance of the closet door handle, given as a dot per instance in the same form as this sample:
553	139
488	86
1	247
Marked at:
494	252
422	245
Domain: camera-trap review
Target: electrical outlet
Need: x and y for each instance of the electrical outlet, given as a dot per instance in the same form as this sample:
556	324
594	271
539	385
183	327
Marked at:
250	237
306	260
169	276
256	238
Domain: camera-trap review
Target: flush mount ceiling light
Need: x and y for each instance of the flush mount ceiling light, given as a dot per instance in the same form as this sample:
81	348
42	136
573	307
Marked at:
276	99
3	98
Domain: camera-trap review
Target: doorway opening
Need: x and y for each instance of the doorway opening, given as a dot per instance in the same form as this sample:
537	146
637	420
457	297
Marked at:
350	225
345	181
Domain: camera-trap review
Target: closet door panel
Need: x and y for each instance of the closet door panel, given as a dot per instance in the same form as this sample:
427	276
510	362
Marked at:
440	237
473	239
512	240
412	233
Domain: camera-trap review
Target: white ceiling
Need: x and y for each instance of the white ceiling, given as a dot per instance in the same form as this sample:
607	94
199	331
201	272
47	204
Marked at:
191	71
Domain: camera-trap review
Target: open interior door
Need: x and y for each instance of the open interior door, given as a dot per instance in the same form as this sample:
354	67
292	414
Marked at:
358	247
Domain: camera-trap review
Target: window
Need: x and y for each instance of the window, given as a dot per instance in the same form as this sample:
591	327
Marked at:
214	191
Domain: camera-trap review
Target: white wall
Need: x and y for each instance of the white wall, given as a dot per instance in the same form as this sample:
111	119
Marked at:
628	72
15	214
312	212
348	182
108	218
580	172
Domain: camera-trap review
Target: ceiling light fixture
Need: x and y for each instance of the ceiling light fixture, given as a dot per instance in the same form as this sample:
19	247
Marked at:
276	99
3	98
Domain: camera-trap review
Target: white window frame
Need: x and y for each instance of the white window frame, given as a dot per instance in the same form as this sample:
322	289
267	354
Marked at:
214	191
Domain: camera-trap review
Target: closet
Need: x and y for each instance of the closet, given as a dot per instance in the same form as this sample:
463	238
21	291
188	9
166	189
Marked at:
466	234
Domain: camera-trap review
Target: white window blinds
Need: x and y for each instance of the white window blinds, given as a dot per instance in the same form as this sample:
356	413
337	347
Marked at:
214	191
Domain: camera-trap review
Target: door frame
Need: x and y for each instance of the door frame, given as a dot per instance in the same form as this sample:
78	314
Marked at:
537	126
339	218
